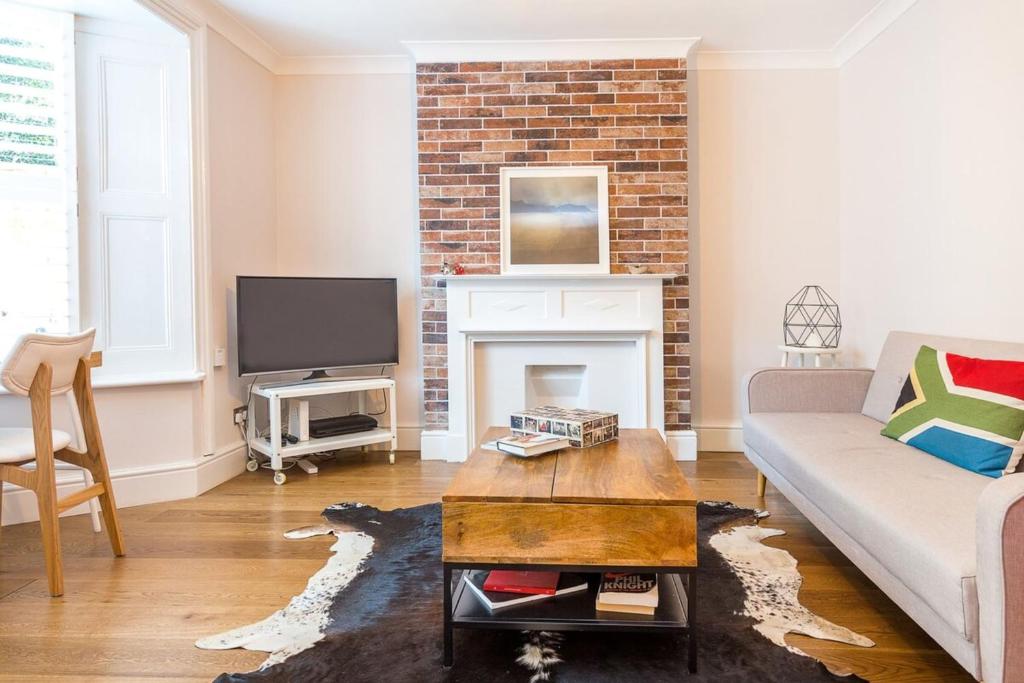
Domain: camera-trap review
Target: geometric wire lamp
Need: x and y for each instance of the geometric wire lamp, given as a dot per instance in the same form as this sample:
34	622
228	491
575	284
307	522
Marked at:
812	319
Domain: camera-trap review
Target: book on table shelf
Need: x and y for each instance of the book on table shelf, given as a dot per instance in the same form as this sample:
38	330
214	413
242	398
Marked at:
629	593
476	581
531	583
529	445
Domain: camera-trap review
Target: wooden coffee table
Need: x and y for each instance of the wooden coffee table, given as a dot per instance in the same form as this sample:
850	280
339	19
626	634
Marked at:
620	506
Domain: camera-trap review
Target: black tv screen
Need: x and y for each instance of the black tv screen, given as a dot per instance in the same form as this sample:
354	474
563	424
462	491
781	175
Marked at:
315	323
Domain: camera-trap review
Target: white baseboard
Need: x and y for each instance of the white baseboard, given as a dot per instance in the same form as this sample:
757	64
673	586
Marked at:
409	438
720	439
137	485
682	443
439	444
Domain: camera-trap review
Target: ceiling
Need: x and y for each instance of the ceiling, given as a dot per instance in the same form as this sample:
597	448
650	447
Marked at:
108	10
313	28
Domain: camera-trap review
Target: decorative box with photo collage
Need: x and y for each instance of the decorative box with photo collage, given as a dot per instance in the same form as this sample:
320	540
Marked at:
583	427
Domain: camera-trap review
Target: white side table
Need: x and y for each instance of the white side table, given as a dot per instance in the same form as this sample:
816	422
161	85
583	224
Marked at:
802	351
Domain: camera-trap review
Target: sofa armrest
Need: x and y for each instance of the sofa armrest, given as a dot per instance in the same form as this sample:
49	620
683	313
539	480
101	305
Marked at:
811	390
1000	543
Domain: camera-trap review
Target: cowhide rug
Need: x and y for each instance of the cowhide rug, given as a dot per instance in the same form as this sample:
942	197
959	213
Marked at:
373	613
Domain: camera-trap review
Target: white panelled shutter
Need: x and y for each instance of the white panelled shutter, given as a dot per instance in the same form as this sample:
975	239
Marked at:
135	202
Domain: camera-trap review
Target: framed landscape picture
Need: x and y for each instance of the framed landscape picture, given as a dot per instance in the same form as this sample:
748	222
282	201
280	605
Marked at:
554	220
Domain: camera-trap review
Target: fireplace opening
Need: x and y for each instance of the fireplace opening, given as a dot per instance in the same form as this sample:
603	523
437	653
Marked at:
555	385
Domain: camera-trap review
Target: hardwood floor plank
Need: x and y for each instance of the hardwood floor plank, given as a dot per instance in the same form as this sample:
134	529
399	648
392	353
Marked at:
199	566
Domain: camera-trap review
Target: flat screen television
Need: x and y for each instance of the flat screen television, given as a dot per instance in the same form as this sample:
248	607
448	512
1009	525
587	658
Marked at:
299	324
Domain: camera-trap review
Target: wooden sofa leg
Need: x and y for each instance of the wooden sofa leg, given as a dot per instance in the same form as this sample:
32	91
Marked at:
761	482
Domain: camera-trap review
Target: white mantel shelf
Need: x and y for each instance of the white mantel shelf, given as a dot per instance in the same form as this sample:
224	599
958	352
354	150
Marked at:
546	276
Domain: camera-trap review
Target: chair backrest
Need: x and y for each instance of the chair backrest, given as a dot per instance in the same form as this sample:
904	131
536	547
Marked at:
62	353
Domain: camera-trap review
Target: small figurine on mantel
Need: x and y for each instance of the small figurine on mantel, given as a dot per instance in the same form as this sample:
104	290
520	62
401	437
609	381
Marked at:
452	268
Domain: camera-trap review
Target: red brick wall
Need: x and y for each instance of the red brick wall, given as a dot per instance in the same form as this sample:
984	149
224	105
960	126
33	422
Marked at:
475	117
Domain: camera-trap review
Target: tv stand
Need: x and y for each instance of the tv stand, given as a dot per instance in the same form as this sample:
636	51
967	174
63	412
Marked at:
278	393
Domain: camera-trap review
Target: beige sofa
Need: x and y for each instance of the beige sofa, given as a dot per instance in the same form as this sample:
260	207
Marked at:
947	545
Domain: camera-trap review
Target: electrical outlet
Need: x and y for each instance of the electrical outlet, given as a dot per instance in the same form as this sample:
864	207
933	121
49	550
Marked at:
241	413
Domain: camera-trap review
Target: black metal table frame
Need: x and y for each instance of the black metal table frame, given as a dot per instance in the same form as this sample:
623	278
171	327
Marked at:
499	622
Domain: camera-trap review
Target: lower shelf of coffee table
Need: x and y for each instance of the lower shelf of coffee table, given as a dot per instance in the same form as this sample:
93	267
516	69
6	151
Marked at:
573	612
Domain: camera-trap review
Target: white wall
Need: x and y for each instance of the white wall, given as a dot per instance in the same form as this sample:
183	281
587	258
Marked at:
768	158
243	204
346	194
931	147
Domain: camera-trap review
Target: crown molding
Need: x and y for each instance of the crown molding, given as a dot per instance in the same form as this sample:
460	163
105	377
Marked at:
754	60
873	24
210	12
213	15
349	64
427	51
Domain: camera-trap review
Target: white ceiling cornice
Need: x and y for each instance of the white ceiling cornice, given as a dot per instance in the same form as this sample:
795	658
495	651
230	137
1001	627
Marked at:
873	24
348	64
427	51
755	60
229	26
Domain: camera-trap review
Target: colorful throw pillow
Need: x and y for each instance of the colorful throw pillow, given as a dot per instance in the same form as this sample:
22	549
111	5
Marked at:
968	411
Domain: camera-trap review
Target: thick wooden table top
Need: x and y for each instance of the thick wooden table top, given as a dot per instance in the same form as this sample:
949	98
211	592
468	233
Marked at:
636	469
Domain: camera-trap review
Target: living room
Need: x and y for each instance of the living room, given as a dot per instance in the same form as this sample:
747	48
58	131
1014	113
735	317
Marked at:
297	294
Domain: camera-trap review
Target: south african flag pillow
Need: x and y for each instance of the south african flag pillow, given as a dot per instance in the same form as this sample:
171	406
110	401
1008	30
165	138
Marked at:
967	411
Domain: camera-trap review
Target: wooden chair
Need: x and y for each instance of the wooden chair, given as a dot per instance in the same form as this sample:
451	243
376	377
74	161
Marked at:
40	367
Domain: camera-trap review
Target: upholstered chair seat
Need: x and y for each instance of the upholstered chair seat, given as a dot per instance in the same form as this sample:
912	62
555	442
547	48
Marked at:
18	445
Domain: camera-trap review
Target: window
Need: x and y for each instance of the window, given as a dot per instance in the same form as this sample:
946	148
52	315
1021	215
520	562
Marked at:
38	279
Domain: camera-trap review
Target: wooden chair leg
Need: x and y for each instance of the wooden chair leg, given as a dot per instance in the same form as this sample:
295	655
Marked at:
97	459
46	478
761	483
49	527
109	508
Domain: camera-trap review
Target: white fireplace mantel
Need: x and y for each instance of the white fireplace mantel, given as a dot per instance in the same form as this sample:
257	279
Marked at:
576	317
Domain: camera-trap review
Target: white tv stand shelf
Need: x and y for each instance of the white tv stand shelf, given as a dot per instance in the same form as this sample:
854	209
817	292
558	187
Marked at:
277	392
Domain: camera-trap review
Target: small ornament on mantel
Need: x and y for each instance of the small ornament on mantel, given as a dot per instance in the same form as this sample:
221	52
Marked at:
452	269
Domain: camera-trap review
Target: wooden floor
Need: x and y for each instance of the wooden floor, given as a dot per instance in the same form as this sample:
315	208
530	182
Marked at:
196	567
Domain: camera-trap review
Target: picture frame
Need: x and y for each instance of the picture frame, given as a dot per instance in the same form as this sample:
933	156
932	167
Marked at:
554	220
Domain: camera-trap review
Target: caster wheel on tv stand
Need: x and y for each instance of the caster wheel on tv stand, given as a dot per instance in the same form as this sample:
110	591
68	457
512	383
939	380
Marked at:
279	478
252	465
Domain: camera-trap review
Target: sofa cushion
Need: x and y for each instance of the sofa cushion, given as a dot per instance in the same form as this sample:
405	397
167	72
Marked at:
898	355
912	512
967	411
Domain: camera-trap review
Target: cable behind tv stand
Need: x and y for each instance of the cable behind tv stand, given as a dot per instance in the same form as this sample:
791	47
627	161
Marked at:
278	393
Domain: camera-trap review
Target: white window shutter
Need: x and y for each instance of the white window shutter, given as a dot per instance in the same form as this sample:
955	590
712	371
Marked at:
38	282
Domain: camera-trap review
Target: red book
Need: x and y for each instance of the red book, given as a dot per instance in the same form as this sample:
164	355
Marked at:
529	583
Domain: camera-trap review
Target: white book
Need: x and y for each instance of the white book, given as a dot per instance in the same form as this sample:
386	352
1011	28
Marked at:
529	445
637	590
